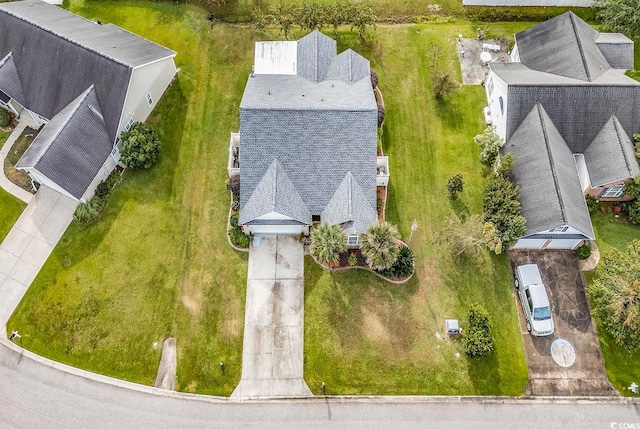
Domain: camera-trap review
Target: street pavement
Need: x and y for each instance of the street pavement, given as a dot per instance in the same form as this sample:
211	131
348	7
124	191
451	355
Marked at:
33	395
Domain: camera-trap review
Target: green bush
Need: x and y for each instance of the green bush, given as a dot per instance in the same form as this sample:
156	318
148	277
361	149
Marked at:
583	252
455	185
403	266
236	235
592	204
89	211
633	210
477	339
5	118
501	206
140	146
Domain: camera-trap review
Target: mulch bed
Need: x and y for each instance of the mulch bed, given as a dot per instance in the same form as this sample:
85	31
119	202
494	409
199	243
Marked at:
381	192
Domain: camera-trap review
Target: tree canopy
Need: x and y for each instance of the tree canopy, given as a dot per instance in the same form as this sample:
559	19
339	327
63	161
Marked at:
620	16
140	146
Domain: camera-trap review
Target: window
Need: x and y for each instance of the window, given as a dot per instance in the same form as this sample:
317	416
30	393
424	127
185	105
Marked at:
613	192
129	124
149	99
559	229
501	101
529	300
353	240
315	218
490	87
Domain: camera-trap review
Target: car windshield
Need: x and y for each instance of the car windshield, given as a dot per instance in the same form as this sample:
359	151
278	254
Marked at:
542	313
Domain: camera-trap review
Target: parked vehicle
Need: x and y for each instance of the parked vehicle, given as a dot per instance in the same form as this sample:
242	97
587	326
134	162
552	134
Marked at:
534	299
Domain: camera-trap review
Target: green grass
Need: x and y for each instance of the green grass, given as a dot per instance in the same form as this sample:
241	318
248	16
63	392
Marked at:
157	263
366	336
11	207
19	177
622	367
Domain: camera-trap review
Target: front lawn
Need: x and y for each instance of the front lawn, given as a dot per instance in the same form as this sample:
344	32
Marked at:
158	263
622	367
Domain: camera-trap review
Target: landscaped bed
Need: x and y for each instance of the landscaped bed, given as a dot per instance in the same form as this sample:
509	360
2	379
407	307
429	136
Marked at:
10	206
19	177
158	263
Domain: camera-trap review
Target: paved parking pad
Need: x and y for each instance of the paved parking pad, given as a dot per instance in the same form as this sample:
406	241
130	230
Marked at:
272	354
565	286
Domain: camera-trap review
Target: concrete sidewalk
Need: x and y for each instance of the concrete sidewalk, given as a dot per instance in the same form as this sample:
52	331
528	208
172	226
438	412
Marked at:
28	245
5	183
272	355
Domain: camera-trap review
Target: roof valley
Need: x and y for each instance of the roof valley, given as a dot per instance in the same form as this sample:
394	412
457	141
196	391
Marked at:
552	163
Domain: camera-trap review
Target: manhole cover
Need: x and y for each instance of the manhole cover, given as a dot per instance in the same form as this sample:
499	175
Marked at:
563	353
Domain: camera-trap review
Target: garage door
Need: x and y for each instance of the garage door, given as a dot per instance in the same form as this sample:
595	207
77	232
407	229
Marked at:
563	244
529	243
276	229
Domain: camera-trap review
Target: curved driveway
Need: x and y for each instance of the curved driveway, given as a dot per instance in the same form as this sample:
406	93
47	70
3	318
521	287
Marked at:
33	395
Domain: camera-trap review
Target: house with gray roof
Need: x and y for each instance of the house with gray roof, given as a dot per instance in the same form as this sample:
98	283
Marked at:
566	111
83	82
306	151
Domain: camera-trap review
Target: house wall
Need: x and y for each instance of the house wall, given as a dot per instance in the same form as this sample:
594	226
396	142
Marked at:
153	78
495	89
595	192
104	172
43	180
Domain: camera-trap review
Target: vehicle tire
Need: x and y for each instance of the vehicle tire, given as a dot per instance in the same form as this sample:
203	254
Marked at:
529	327
516	283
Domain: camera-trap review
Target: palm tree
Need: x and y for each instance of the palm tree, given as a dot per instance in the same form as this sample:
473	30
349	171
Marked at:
327	242
380	245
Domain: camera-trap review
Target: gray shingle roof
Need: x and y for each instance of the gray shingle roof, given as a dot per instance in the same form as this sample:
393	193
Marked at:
611	155
107	40
617	49
9	79
274	193
349	207
73	146
563	45
546	175
318	130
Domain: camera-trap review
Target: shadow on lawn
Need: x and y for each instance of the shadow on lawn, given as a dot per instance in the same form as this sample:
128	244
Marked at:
485	374
450	113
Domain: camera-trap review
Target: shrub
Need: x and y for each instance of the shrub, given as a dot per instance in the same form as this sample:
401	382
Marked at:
633	210
380	245
5	118
636	140
236	235
233	184
615	295
327	242
381	114
455	185
140	146
477	339
378	204
583	252
403	266
501	206
444	86
490	143
89	211
353	260
503	165
374	79
592	204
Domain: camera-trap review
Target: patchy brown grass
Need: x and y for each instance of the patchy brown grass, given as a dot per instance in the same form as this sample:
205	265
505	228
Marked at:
21	145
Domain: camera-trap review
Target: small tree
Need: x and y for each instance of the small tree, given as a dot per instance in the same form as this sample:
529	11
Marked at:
327	242
470	237
455	185
140	146
490	143
615	295
380	245
477	339
619	16
444	86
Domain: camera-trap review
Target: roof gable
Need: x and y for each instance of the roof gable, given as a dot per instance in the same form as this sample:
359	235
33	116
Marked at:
563	45
349	206
611	156
349	67
316	51
546	176
274	193
73	146
9	79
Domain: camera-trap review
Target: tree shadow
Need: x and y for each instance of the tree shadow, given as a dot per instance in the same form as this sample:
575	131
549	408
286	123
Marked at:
484	374
459	208
448	110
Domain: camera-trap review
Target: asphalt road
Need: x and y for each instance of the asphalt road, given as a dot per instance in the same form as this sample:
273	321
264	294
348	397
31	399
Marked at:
33	395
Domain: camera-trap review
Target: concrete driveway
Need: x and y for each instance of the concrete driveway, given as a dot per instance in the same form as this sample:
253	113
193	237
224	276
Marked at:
272	353
565	286
29	243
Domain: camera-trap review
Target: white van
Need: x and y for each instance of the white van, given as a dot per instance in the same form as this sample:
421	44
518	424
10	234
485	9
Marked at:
535	302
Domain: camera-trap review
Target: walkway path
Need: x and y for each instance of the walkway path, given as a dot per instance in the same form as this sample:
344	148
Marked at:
5	183
27	246
273	330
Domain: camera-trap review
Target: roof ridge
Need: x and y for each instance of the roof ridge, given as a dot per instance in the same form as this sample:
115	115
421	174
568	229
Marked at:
75	42
579	42
551	162
65	123
620	143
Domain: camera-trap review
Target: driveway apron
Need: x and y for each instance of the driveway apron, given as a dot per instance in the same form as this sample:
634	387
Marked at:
272	354
29	243
586	376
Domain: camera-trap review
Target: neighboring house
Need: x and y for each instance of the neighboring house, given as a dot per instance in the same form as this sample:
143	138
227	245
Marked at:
84	82
306	151
566	112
